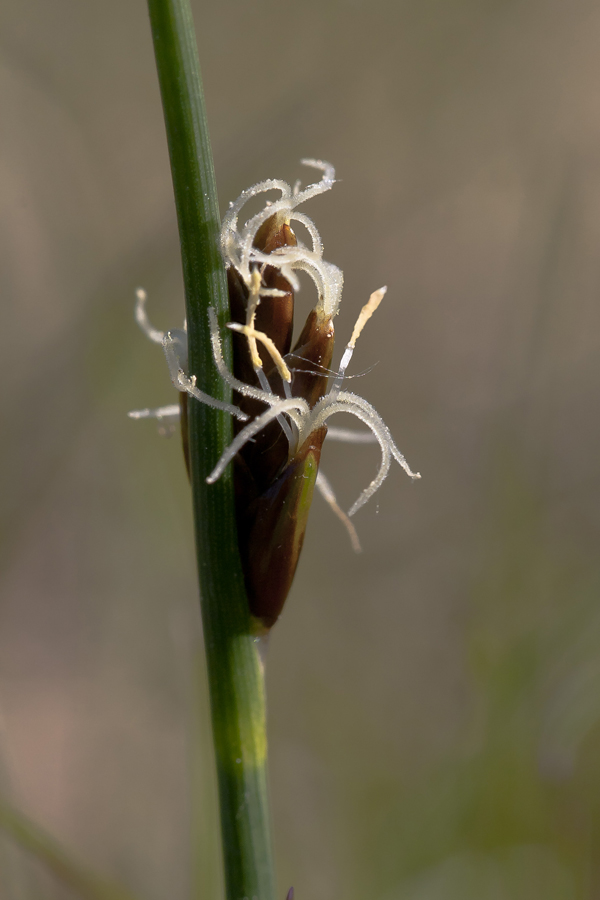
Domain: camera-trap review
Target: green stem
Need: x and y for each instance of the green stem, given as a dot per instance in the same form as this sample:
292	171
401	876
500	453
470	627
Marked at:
234	669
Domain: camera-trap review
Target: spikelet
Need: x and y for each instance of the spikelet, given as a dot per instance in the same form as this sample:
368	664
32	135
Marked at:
282	397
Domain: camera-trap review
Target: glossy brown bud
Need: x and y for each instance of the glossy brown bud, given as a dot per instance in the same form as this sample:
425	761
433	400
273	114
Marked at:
273	488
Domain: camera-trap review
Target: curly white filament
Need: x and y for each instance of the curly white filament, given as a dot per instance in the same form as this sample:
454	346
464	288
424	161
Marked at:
324	487
296	419
253	428
141	317
356	406
240	386
170	412
350	435
289	429
175	347
237	244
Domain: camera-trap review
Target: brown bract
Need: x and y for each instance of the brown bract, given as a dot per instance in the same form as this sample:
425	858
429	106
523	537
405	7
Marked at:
272	497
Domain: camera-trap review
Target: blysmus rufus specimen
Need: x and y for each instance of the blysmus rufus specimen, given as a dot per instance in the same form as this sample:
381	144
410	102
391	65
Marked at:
283	395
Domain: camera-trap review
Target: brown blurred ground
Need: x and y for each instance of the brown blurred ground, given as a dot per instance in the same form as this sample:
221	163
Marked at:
434	702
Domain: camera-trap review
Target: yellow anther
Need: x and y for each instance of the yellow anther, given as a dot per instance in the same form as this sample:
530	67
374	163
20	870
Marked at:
264	339
253	301
366	313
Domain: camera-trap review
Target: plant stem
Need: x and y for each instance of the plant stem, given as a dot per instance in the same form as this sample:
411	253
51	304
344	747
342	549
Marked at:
234	669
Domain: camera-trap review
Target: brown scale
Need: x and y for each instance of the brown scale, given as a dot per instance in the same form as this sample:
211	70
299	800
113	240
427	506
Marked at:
270	504
273	538
272	490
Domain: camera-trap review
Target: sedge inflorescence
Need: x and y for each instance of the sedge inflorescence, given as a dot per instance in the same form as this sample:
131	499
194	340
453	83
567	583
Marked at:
296	416
284	396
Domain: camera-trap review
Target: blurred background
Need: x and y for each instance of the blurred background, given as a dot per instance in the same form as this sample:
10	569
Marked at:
434	703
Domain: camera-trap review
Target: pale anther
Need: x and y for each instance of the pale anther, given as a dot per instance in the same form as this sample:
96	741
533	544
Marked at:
276	356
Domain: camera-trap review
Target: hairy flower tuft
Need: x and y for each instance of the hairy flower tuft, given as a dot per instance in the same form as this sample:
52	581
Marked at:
284	396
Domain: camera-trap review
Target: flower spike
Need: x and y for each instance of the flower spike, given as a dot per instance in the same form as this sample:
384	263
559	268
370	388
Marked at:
281	392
